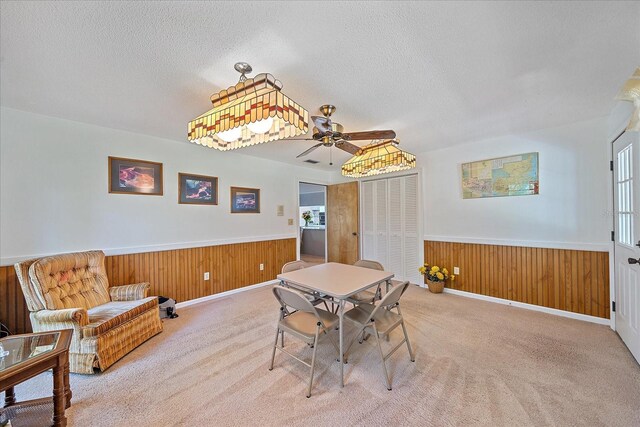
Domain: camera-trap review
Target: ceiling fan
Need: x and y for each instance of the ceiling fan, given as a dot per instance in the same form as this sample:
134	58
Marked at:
331	134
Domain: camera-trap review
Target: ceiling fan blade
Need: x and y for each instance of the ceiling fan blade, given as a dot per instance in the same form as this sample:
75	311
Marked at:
309	150
322	123
347	146
370	134
298	139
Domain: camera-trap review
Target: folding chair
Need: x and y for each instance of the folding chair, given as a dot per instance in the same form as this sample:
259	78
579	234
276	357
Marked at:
380	320
303	321
367	296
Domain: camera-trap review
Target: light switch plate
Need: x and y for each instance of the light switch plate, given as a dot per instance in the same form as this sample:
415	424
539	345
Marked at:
280	210
290	221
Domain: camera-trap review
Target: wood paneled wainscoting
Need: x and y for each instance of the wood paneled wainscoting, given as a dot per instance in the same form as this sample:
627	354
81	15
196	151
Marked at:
178	274
563	279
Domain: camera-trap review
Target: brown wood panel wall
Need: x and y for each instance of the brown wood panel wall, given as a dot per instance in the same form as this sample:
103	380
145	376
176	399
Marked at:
178	274
570	280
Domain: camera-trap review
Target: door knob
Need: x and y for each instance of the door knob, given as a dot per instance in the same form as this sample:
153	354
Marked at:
634	261
638	244
354	233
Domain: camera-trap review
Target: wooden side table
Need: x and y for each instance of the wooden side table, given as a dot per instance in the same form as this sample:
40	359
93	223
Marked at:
28	355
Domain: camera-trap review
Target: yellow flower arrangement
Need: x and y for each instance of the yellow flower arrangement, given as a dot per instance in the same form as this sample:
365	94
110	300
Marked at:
435	273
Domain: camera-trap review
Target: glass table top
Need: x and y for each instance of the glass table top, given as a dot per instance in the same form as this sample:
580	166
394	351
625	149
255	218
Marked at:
16	350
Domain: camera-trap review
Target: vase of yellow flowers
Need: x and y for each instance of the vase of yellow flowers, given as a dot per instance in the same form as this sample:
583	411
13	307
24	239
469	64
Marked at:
307	217
435	277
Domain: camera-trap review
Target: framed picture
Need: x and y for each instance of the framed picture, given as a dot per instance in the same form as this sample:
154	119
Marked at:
245	200
131	176
503	176
197	189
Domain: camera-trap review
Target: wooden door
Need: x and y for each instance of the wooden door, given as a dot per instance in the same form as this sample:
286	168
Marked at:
626	159
342	223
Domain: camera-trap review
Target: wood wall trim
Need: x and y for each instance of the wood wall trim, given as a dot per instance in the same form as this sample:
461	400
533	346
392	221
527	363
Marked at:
570	280
178	274
10	261
545	244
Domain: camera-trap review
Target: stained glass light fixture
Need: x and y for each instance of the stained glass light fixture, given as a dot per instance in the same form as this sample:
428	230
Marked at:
251	112
378	158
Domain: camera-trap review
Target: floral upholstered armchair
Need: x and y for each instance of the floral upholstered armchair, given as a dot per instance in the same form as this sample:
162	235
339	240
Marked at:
71	291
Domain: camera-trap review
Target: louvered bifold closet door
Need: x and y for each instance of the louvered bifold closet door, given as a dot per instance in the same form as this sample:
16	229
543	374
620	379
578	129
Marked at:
368	221
381	217
411	240
396	226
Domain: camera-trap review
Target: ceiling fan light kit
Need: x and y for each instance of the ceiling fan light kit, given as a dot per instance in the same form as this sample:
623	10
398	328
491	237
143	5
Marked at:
378	158
252	112
330	134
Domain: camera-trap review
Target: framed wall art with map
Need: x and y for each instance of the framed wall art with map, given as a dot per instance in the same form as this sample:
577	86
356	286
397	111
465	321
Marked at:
503	176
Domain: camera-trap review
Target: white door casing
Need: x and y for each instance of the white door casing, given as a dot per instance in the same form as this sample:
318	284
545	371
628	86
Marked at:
626	186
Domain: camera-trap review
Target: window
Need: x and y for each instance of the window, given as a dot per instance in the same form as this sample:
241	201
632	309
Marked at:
624	181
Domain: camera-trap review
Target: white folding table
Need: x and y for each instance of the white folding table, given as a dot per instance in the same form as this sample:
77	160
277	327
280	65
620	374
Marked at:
339	281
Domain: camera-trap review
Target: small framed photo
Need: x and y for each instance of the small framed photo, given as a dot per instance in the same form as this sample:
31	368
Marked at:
197	189
131	176
245	200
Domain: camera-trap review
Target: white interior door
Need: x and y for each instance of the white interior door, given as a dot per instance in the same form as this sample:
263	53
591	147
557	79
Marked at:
411	236
626	158
396	228
367	216
381	208
390	229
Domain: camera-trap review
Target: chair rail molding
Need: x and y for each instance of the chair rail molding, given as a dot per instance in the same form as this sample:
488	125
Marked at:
579	246
9	261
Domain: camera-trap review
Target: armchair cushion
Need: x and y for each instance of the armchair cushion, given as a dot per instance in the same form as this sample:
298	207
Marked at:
112	314
129	292
71	280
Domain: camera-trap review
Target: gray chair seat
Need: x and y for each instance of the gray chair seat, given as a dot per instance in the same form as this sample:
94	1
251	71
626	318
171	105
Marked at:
385	320
305	324
363	297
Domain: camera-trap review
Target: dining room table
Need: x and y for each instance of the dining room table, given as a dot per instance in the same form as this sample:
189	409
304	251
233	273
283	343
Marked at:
337	282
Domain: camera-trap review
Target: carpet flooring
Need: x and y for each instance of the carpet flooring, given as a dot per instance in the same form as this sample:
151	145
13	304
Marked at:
477	363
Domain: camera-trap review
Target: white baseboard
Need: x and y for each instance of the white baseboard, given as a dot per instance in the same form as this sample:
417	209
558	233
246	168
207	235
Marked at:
554	311
225	294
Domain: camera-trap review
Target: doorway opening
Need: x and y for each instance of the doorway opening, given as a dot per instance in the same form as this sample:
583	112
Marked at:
312	202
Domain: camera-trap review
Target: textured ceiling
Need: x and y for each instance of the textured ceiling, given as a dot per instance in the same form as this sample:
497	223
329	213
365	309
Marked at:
437	73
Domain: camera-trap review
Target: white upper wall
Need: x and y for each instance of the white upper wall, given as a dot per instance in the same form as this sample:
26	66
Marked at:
572	209
54	191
